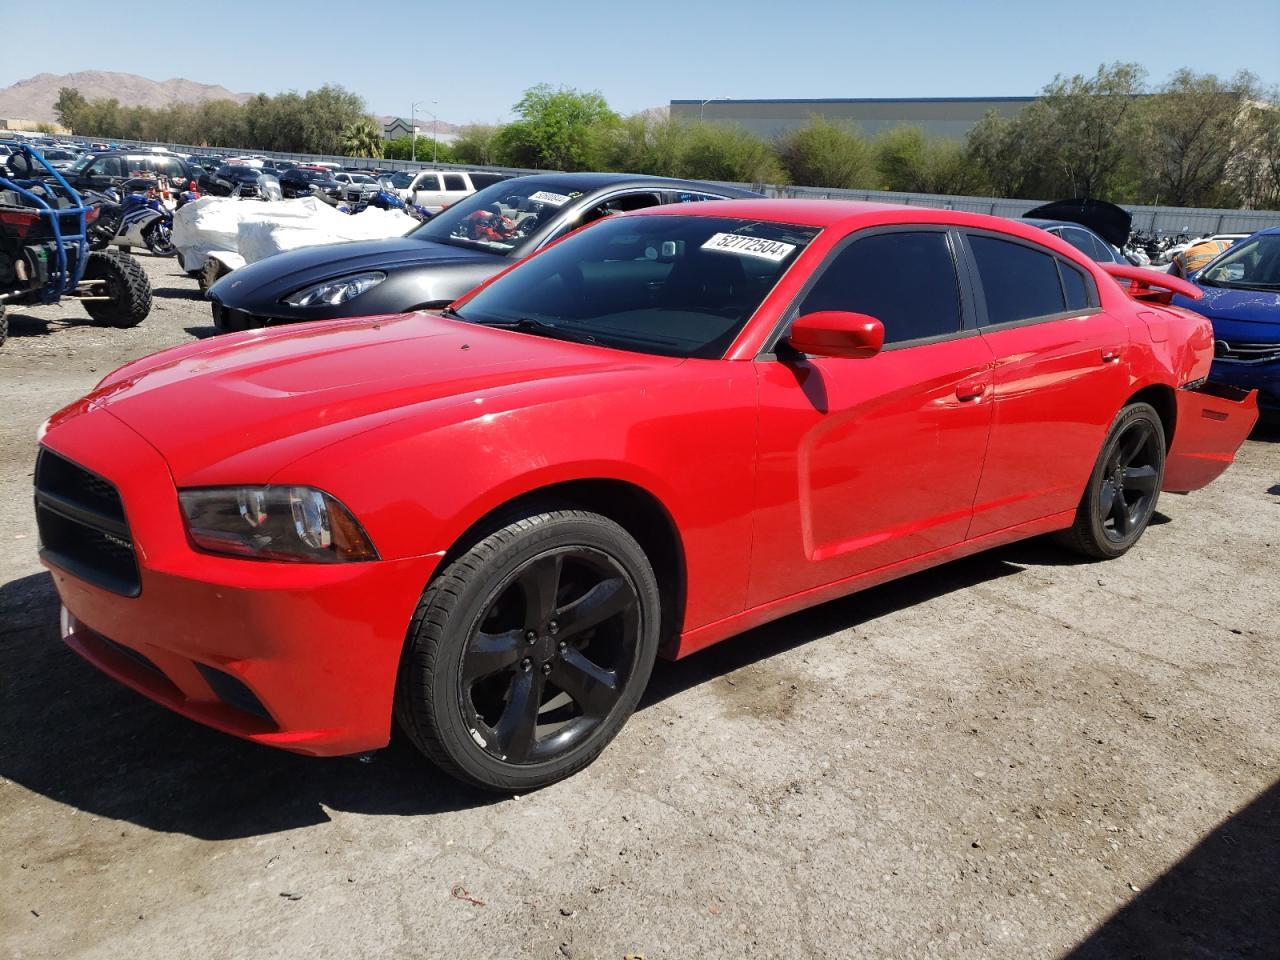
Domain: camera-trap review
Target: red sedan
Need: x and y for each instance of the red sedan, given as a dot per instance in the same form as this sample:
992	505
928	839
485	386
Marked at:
667	428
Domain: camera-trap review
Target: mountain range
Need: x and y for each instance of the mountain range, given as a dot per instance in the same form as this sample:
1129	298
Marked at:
35	97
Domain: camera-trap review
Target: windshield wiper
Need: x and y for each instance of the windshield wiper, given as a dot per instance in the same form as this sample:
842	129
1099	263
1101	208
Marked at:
540	327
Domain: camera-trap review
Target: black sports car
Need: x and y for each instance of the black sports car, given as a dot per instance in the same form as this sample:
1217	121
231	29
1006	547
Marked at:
445	257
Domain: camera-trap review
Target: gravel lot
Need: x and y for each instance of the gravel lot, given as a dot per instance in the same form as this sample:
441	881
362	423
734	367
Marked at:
1016	755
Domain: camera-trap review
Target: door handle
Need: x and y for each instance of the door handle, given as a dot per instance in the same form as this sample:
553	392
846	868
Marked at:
1110	354
972	390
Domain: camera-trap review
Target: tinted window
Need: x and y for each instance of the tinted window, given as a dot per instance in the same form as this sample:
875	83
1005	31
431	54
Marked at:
1103	253
1074	286
482	180
1080	240
107	167
454	181
905	280
1019	283
429	182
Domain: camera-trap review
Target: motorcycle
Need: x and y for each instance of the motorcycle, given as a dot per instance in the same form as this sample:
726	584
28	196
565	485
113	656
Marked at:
139	219
386	200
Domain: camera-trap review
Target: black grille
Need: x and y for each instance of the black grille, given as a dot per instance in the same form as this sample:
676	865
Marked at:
82	525
1246	352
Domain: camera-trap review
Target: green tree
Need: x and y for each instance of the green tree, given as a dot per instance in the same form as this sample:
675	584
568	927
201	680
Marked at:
827	154
910	161
558	129
362	138
401	148
476	144
70	108
649	142
1085	130
1189	132
728	152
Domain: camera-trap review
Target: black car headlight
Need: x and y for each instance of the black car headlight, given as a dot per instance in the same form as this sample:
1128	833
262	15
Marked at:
332	292
274	523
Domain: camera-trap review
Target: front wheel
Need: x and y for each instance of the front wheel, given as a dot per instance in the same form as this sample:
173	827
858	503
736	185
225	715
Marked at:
159	239
529	651
1121	496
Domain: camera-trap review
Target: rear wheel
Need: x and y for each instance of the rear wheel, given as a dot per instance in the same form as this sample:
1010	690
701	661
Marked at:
529	652
4	326
1124	486
126	285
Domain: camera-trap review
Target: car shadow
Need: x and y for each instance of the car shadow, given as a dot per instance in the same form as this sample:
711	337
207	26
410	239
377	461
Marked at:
202	333
178	293
1217	901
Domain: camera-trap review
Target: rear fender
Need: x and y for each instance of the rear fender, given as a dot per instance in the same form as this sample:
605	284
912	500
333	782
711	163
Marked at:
1213	421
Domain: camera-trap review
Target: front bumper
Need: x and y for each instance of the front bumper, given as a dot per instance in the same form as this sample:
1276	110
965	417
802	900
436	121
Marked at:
294	655
1263	377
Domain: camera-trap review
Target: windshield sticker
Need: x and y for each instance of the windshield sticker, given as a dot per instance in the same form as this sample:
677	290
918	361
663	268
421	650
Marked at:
546	196
775	251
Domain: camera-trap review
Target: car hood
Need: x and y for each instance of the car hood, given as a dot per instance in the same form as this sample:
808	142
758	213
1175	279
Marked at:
237	409
284	273
1247	312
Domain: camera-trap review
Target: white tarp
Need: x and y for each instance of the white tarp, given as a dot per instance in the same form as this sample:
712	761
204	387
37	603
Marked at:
253	229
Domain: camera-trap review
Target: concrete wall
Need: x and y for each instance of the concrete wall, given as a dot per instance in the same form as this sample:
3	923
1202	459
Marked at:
945	116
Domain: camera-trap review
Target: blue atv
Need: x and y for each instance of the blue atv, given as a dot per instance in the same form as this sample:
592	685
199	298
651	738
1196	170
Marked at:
46	241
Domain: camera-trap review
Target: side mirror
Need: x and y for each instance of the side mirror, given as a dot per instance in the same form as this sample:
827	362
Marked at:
837	333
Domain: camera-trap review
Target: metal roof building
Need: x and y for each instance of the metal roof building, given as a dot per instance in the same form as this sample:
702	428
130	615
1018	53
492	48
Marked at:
939	116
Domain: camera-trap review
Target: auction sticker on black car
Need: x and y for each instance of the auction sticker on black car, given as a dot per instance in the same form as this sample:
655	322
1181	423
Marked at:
771	250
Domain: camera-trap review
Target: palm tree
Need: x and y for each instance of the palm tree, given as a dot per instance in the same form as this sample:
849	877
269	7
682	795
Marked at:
362	138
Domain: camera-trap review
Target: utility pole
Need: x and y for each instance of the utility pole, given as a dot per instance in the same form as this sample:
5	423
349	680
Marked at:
703	106
413	126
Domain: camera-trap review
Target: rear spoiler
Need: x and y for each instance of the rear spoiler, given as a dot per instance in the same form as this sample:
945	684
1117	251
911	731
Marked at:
1152	285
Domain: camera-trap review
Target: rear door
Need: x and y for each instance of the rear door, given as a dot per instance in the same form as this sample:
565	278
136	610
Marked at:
1061	375
428	192
869	462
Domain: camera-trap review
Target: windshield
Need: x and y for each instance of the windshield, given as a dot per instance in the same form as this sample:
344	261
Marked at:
1248	264
362	178
678	286
499	217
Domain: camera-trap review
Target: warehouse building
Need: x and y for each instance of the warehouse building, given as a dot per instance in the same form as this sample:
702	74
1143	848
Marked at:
938	116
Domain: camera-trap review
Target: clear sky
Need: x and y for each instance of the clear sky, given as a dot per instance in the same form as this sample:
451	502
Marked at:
476	58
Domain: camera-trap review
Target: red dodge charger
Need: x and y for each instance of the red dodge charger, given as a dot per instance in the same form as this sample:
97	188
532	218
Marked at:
669	427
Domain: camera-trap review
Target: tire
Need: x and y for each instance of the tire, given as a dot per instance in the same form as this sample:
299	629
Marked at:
210	273
576	665
158	239
1123	488
127	286
4	326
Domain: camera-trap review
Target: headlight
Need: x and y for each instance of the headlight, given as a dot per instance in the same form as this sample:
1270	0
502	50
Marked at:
274	523
335	291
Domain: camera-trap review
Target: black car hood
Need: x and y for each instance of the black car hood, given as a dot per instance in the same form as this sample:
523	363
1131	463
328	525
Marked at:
1107	220
284	273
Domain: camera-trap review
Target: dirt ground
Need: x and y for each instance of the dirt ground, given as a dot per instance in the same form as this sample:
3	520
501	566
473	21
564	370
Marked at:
1016	755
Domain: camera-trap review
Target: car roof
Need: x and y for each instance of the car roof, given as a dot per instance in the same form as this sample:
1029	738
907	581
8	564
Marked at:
849	215
593	182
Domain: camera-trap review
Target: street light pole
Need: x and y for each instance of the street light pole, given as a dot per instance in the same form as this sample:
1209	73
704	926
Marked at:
703	105
413	126
434	123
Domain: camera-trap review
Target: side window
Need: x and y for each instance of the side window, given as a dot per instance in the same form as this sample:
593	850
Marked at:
1102	252
106	167
1074	287
169	167
482	180
454	181
1019	283
429	182
628	201
907	281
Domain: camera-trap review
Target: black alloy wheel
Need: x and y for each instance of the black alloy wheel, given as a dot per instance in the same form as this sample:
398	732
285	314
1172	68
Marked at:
551	655
1127	494
1123	489
530	650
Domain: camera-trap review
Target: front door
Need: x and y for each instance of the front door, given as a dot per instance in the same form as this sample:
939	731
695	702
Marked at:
866	463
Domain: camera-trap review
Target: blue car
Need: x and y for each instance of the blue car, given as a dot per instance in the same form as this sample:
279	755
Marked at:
1242	298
